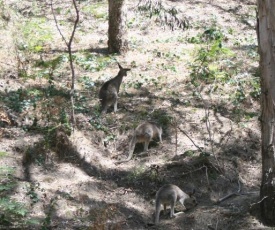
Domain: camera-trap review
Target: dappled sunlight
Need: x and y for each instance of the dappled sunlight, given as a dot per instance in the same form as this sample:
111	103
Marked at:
200	84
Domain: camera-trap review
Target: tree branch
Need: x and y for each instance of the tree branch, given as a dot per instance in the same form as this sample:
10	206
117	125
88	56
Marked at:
238	193
71	60
206	172
198	147
56	24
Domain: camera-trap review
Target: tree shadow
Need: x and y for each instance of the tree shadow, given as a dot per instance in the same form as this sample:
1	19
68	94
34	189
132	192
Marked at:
100	214
98	50
68	153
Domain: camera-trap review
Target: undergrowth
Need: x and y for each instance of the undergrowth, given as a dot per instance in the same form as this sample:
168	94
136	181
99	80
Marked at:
214	68
215	65
12	212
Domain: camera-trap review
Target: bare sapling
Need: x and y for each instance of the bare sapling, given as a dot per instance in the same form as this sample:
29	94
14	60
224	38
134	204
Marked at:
69	46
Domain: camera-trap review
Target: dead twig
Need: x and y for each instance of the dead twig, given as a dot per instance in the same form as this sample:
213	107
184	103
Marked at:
195	170
212	228
198	147
217	224
206	173
208	127
198	169
238	193
227	196
176	134
259	201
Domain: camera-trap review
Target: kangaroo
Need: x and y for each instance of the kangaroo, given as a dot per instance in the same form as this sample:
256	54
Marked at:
108	93
169	194
145	132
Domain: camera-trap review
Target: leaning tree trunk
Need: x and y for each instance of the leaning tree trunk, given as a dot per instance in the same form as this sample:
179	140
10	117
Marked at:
266	40
117	31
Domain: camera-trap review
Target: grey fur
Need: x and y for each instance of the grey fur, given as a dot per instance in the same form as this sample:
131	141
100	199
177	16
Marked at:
108	93
144	133
168	195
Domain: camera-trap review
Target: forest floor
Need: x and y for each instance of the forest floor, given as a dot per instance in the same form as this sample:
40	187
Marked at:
201	84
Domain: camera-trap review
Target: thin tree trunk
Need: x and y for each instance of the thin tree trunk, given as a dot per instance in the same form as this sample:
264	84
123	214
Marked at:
71	62
117	42
266	39
69	46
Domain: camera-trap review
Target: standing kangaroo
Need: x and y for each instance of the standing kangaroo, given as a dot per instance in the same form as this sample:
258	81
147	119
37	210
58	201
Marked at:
145	132
108	93
169	195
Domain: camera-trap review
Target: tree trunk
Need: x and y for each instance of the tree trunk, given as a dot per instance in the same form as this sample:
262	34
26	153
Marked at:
117	30
266	39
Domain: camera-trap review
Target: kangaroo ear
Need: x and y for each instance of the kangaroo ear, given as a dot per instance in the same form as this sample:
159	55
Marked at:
192	193
120	67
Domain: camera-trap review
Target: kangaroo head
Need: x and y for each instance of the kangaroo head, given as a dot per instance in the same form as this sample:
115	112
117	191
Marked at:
122	71
191	201
192	193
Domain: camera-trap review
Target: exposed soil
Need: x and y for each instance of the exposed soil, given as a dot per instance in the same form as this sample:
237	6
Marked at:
74	174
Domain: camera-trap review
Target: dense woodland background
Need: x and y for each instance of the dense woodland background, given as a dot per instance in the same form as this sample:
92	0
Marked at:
194	70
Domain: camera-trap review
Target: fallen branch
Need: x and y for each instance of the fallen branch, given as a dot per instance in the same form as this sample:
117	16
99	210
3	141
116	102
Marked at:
195	170
228	196
238	193
198	147
212	228
259	201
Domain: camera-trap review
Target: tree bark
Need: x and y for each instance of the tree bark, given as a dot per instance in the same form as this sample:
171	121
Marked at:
266	41
117	42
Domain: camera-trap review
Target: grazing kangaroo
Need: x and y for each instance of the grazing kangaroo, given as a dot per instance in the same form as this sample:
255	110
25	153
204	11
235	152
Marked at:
145	132
168	195
108	93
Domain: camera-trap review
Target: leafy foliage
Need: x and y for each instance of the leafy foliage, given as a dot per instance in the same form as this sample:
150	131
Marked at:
166	15
207	64
6	176
12	207
136	174
48	219
93	62
216	65
36	33
11	210
23	99
98	10
47	68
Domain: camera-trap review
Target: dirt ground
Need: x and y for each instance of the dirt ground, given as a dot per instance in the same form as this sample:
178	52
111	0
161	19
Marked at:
74	176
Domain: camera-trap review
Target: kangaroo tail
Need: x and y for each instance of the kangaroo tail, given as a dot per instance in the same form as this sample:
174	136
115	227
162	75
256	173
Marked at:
131	150
157	211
